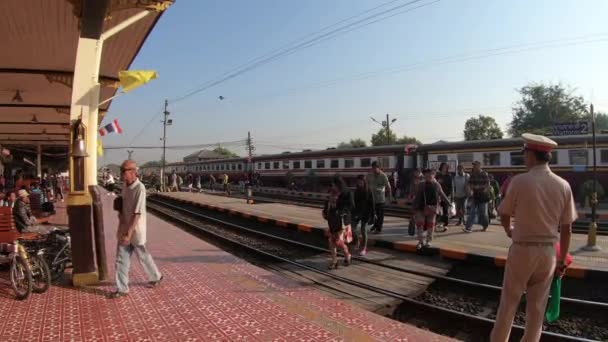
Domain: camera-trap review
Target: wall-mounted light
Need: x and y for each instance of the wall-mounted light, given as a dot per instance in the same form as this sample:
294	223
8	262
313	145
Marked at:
17	97
34	119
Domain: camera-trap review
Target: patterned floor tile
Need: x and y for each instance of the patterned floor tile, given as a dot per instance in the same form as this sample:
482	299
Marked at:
207	295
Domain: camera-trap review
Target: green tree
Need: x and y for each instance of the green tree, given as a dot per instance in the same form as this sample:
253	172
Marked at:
226	152
601	122
543	105
482	128
408	140
152	163
381	138
353	143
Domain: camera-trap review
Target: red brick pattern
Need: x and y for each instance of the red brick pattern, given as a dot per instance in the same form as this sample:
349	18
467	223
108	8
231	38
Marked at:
207	295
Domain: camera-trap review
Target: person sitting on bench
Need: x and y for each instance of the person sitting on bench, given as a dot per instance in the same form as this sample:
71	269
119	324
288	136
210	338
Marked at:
24	219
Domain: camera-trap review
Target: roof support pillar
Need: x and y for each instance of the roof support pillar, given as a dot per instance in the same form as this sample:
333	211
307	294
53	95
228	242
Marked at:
39	161
83	170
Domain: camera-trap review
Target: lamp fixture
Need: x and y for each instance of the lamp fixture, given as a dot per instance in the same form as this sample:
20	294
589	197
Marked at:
17	97
34	118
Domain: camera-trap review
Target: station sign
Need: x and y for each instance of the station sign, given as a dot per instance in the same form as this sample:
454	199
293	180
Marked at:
578	127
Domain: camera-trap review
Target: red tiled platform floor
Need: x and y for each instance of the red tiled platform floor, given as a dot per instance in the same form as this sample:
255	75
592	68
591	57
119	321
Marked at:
207	295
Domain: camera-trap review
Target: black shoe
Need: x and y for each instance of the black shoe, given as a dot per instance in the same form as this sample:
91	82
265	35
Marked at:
117	294
157	282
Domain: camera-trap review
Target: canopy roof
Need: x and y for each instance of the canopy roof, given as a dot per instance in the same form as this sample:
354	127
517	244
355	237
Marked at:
39	39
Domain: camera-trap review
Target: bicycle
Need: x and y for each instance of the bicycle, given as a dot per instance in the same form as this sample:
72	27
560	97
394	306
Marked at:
20	269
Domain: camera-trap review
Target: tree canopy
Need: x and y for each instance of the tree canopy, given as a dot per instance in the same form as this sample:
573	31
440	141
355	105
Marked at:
543	105
353	143
152	163
224	151
482	128
380	138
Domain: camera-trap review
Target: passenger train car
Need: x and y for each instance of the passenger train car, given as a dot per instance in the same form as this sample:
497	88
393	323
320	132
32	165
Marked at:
313	169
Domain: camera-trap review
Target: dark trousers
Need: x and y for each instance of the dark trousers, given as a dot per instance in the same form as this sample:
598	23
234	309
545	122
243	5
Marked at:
445	217
379	211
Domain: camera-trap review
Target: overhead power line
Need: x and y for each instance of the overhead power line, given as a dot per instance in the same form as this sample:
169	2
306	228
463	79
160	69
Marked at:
236	143
507	50
307	43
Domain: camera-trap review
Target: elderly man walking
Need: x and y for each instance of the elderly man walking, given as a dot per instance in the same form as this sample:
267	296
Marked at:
131	234
540	202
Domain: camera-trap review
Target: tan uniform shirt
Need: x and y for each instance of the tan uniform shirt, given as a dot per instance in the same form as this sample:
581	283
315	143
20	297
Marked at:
540	201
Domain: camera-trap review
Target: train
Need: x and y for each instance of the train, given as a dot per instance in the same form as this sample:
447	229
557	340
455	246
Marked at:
312	170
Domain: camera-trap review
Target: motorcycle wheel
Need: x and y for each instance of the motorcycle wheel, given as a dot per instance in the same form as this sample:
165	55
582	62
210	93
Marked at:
40	273
21	278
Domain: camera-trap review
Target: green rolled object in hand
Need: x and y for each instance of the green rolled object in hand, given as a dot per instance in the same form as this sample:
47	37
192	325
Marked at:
552	313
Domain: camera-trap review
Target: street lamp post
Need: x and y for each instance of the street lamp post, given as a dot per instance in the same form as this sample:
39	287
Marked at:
592	235
387	125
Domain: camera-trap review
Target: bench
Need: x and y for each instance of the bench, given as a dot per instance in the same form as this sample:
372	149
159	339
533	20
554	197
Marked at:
8	229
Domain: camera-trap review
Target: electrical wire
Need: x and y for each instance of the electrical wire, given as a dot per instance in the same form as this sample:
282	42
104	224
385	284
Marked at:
308	43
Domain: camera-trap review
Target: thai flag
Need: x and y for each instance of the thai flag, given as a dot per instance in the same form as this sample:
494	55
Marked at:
111	127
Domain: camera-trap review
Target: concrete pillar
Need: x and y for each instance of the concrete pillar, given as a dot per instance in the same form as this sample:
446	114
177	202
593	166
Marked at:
39	161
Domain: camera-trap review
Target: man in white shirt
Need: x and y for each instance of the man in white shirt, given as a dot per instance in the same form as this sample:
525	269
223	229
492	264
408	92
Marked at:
131	233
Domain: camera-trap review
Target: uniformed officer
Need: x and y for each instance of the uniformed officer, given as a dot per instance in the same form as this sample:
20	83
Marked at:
540	202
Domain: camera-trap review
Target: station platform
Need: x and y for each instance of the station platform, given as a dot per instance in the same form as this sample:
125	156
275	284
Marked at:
583	213
489	247
207	295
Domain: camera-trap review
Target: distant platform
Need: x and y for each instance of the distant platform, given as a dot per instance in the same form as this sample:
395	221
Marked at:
489	247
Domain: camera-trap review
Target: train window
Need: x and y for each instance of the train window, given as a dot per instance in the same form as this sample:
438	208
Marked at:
442	158
348	163
464	157
604	156
233	167
275	165
308	164
321	164
267	166
383	162
517	159
285	164
578	157
334	164
296	164
553	158
240	166
366	162
259	165
491	159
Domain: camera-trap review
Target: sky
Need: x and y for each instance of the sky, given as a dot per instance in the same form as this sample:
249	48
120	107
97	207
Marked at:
430	67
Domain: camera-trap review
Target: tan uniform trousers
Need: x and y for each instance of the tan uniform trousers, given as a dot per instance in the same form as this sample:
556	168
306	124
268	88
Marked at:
529	267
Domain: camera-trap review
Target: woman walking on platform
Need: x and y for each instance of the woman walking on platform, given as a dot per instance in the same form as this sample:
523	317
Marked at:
429	195
363	213
337	212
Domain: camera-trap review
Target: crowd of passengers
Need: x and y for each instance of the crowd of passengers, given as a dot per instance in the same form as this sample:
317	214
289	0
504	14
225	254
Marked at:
437	199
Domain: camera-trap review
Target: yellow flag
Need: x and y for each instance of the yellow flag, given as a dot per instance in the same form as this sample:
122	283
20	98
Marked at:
130	80
99	147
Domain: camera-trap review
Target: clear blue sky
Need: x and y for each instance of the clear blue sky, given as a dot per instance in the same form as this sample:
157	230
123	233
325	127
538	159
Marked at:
283	105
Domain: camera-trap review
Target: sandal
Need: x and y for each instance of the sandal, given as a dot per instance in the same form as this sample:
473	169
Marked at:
347	260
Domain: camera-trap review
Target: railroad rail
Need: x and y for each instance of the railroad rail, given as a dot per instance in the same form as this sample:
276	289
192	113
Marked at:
485	323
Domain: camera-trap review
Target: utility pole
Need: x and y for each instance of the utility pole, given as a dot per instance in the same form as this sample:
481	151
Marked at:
250	147
162	161
592	234
130	153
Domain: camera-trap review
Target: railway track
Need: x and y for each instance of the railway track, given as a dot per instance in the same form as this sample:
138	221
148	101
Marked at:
480	322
